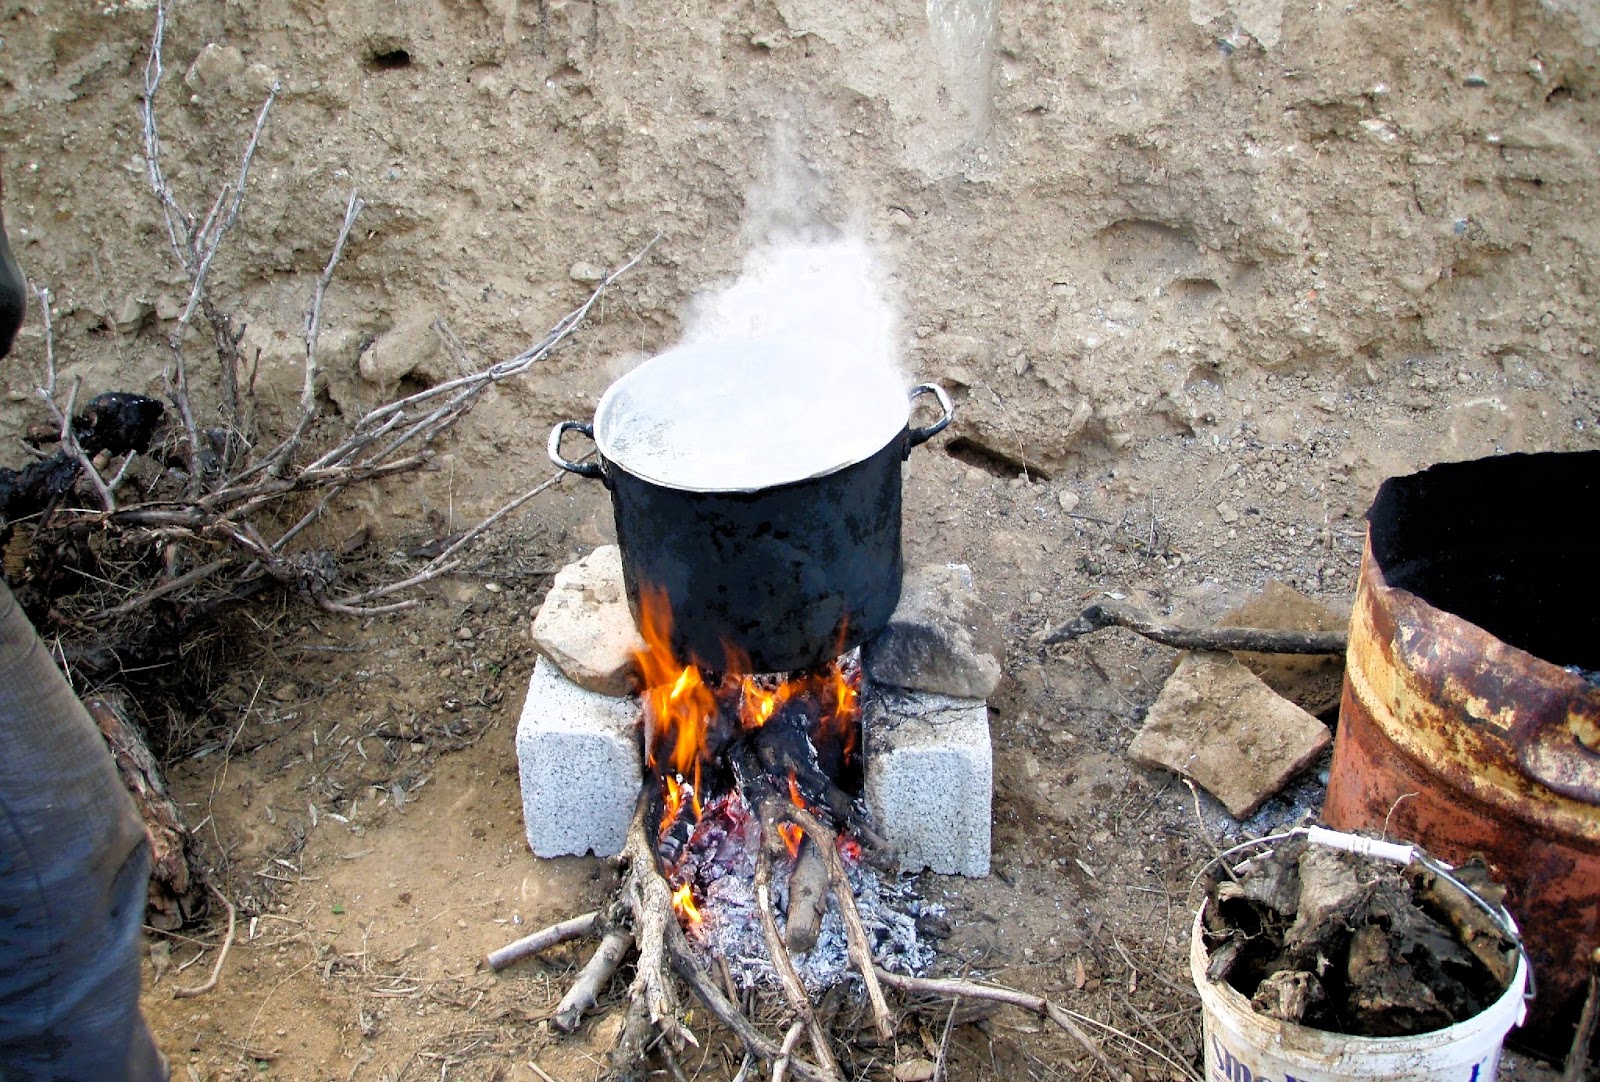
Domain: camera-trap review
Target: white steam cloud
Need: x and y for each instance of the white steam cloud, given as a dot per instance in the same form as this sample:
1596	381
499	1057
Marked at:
829	294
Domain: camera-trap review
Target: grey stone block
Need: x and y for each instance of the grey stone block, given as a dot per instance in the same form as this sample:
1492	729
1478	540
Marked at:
941	637
578	753
930	778
585	626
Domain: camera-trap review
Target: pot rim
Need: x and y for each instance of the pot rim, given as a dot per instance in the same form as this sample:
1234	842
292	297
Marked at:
750	415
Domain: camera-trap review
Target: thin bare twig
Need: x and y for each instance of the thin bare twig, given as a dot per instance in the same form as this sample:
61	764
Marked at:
222	956
780	1066
284	452
63	417
778	954
860	946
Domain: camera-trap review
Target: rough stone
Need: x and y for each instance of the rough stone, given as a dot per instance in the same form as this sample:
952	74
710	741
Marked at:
585	627
940	639
409	347
930	778
578	755
1311	682
213	67
1217	723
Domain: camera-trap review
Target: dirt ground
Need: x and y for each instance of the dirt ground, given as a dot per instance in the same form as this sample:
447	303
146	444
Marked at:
1199	275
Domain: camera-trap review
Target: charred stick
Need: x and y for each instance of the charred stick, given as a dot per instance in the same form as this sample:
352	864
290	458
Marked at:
586	992
808	898
970	990
577	928
1577	1067
1225	639
782	964
855	932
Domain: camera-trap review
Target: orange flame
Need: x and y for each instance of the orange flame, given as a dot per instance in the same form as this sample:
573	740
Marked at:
672	803
792	836
683	905
679	707
841	716
757	704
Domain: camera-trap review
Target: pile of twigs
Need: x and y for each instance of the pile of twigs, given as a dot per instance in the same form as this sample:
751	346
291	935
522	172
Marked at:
215	512
641	917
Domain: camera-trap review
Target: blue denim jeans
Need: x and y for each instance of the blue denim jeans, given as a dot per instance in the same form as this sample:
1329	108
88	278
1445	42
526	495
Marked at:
74	867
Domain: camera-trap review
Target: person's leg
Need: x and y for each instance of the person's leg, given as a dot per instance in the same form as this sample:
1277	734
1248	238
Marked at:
74	868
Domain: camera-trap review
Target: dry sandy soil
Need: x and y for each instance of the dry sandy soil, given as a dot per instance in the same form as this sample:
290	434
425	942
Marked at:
1210	269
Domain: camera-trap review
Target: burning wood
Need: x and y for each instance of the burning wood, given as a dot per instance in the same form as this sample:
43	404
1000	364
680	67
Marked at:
746	845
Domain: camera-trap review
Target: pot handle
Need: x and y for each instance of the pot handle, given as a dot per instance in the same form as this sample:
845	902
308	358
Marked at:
582	469
926	433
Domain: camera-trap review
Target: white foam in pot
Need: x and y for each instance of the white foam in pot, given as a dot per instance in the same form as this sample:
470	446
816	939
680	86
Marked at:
748	415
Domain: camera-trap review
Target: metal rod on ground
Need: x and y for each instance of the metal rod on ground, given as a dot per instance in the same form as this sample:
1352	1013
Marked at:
1260	640
580	927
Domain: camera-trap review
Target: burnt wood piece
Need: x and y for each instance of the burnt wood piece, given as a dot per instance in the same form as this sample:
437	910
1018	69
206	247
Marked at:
808	899
1224	639
118	422
783	746
177	879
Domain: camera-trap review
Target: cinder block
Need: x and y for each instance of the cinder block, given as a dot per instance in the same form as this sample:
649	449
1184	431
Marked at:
930	778
579	757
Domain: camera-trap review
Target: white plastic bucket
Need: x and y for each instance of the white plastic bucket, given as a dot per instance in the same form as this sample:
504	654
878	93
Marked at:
1243	1046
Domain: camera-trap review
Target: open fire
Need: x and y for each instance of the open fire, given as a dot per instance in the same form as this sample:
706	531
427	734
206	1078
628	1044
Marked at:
692	722
724	754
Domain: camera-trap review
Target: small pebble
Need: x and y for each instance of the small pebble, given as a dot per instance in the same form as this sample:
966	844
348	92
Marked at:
1069	501
1035	598
463	633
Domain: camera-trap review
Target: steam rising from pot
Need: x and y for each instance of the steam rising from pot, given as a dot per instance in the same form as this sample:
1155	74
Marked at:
828	293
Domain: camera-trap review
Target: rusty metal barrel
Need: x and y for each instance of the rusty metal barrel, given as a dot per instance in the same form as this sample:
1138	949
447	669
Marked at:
1470	722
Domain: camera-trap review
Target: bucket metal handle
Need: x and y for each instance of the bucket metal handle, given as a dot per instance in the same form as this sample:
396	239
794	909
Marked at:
582	469
927	432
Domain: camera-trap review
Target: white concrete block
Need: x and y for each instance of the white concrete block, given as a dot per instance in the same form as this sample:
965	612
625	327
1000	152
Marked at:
930	778
578	753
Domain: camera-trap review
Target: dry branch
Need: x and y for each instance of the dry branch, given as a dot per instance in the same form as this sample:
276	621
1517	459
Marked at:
855	932
585	993
580	927
971	990
222	955
808	898
1227	639
782	964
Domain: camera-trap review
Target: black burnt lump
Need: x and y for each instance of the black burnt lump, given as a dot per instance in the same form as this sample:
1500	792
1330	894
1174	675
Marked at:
1355	945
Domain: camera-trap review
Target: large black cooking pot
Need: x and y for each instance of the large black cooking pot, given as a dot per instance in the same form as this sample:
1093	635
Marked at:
757	486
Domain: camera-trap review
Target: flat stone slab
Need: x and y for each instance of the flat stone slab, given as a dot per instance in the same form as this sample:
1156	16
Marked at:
941	638
578	755
930	778
585	626
1217	723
